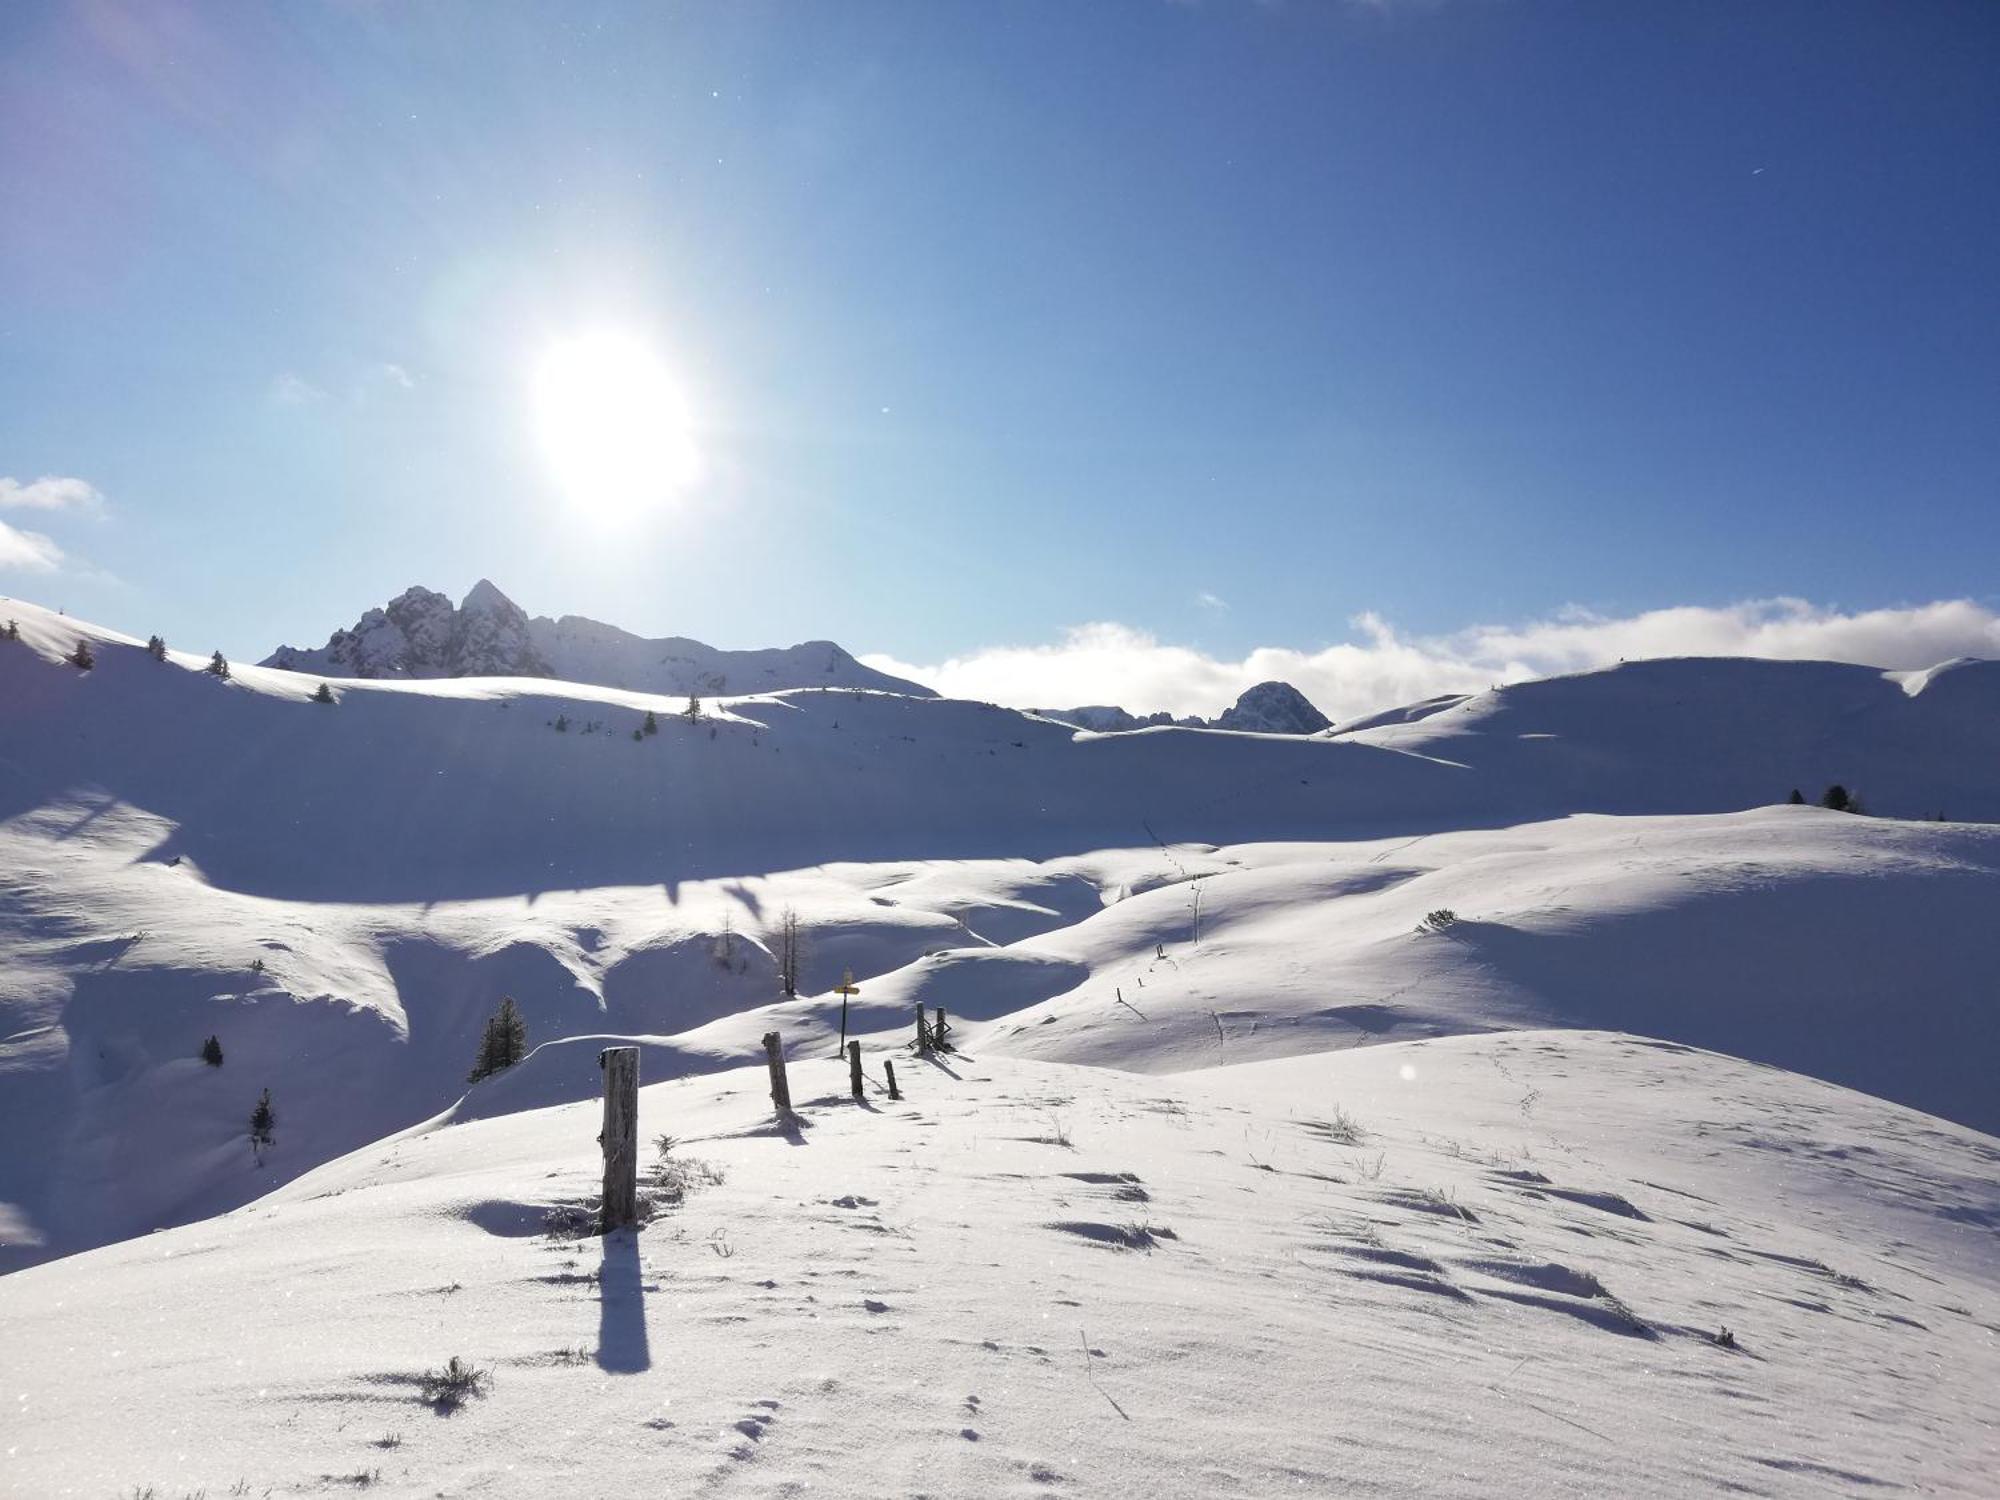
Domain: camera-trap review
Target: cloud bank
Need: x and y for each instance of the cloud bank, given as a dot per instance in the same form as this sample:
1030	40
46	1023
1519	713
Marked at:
1381	668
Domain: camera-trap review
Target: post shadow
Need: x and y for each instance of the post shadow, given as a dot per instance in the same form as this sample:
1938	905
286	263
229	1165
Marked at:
621	1307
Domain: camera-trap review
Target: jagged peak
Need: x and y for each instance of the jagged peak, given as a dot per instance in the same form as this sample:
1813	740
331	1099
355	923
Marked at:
485	596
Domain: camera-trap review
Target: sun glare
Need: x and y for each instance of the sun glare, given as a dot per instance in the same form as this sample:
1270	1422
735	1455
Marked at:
613	424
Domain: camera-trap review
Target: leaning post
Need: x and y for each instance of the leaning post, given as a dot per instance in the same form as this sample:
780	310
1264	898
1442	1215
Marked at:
854	1067
781	1091
890	1069
621	1136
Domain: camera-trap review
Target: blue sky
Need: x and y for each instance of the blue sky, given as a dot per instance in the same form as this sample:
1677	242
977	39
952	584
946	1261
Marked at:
1225	323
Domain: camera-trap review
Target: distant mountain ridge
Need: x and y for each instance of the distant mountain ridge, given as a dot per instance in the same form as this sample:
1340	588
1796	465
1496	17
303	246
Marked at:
1267	708
420	634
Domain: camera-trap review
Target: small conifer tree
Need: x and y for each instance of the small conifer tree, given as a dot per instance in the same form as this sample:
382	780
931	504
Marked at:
211	1052
693	710
263	1124
218	665
322	694
156	648
562	723
1797	799
1837	798
82	658
652	725
503	1041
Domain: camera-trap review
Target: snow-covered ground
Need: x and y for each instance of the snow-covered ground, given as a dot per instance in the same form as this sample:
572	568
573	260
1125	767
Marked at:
1185	951
1472	1266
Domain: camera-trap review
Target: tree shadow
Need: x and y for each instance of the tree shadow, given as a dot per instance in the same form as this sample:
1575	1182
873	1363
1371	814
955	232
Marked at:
621	1307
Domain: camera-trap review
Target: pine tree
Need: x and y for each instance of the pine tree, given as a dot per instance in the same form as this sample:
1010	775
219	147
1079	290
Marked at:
562	723
156	648
652	725
81	658
1837	798
1798	798
218	665
211	1052
503	1041
263	1121
693	710
323	694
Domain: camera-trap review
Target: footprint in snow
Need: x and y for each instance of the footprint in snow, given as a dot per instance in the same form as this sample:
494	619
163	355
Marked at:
873	1306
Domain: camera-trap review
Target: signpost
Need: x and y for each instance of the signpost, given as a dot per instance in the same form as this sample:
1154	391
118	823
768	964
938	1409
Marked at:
844	989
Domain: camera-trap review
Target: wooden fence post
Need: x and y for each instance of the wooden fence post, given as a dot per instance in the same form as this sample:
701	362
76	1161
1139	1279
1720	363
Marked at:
890	1068
938	1031
854	1067
620	1137
923	1030
781	1091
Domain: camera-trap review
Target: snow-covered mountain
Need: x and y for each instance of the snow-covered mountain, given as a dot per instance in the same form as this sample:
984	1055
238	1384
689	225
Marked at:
1540	913
1267	708
1273	708
419	634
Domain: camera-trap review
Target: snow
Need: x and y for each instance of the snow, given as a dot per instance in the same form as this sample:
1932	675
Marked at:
1185	951
1471	1266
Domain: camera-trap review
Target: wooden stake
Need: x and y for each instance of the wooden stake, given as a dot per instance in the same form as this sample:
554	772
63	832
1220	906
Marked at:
621	1136
854	1067
890	1069
923	1030
938	1031
781	1091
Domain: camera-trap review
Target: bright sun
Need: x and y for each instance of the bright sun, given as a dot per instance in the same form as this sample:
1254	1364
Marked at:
614	424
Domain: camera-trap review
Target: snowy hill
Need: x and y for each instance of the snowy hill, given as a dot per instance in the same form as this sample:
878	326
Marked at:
342	892
1705	733
419	634
1539	1263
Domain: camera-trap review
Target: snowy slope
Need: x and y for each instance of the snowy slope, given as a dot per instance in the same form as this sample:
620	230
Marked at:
419	634
399	860
1477	1266
1697	734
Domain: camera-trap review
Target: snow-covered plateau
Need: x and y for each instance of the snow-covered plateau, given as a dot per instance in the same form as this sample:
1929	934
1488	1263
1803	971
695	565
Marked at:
1506	1095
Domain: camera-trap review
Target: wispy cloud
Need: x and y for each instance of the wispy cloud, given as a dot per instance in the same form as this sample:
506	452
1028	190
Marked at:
27	551
396	375
1210	601
50	492
290	389
1381	667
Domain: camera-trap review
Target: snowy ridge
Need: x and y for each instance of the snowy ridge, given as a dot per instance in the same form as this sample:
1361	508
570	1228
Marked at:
419	634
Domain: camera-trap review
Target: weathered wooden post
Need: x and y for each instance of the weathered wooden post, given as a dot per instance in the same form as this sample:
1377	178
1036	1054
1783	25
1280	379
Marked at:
781	1091
621	1136
923	1030
890	1069
854	1067
938	1031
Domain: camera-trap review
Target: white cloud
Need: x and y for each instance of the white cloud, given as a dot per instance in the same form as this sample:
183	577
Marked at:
1211	601
396	375
28	551
50	492
1111	663
295	390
